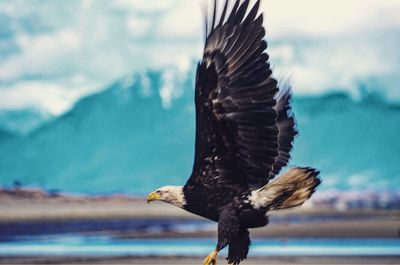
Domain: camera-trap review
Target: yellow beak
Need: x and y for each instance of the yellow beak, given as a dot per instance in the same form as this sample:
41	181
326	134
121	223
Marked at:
154	196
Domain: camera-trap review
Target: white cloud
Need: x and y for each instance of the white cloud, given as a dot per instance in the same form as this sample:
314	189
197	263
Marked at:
183	64
143	5
138	27
335	64
40	54
56	98
321	18
166	90
284	53
185	22
169	89
167	55
322	44
8	8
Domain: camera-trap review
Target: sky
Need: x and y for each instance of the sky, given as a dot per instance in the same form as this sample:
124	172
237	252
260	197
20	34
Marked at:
54	52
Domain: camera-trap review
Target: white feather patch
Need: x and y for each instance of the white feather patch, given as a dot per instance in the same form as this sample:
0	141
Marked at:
261	198
173	195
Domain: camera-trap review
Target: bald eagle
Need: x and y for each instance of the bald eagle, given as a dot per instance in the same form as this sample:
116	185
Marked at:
244	133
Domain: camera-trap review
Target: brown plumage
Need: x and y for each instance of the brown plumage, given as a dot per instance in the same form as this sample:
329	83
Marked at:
244	134
293	187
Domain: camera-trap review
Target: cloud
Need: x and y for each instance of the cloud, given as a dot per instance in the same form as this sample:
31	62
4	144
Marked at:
55	98
40	55
171	87
138	27
345	63
143	5
185	22
321	44
326	18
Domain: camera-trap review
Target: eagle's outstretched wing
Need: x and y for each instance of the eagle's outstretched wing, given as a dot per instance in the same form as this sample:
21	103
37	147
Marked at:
287	128
236	115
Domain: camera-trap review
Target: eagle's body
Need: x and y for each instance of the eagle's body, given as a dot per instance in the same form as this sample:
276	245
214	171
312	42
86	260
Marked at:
208	202
244	133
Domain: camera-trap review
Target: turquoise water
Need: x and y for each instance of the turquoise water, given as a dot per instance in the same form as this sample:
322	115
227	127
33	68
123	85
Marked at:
106	246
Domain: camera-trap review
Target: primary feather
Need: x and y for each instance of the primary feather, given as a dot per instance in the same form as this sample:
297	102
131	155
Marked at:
235	116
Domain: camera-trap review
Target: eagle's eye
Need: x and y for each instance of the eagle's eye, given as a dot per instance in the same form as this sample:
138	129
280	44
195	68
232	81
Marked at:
158	192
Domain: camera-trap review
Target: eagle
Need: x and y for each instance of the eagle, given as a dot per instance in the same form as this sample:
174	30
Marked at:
245	129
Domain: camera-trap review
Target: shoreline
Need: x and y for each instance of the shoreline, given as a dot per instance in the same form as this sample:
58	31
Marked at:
304	260
129	214
124	217
79	214
37	206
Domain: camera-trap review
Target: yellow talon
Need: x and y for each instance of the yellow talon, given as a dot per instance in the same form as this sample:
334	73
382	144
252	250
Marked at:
211	259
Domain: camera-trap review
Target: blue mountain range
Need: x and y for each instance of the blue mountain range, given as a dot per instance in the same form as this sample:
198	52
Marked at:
125	139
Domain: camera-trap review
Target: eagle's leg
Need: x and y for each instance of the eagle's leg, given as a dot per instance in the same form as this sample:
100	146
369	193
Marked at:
228	228
211	259
239	247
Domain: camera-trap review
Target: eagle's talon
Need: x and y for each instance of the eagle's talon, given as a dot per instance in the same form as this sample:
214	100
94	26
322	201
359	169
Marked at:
211	258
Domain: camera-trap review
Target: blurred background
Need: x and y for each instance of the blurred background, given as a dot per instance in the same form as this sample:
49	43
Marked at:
97	110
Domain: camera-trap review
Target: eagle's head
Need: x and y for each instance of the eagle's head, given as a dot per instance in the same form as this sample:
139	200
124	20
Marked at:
171	194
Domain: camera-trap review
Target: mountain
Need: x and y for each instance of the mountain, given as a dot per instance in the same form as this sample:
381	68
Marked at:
5	135
23	121
355	143
138	134
118	140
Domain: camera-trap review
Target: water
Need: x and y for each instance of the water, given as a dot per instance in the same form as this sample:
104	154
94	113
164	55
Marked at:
107	246
40	229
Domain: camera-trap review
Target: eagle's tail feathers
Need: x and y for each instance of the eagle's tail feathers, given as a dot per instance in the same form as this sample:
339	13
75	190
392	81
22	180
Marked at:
289	190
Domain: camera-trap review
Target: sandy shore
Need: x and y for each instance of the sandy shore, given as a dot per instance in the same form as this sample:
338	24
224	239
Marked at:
198	260
296	223
300	222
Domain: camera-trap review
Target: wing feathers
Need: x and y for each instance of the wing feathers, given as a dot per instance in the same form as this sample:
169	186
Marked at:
287	128
236	113
233	13
221	21
253	13
241	12
214	14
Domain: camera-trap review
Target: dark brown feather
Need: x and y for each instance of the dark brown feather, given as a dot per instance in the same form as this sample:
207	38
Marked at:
287	128
235	97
